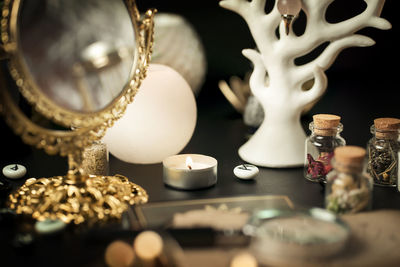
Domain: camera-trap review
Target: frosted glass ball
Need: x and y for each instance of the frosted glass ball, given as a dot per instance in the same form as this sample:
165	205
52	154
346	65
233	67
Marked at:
178	45
160	121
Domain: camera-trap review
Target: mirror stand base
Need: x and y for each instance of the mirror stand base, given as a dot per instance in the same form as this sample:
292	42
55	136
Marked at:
95	199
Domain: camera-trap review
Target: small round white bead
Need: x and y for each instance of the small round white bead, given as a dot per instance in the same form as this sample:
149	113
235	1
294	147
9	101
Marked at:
49	226
245	171
14	171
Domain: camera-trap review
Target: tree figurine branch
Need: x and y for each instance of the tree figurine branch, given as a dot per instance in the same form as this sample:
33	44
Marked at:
277	81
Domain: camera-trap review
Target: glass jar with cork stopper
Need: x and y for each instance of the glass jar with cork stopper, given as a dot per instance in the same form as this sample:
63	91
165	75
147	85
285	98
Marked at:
320	145
348	188
383	150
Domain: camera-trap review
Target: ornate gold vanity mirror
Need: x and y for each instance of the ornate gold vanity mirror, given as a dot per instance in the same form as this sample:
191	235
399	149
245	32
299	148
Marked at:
78	64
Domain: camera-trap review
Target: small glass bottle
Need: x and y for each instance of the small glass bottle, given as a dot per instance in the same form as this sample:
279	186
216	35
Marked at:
95	159
383	150
320	145
348	188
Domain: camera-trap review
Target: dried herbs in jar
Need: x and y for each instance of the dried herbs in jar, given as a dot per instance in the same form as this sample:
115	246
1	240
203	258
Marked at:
383	150
348	189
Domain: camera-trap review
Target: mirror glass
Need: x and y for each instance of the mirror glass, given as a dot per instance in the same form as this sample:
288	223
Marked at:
28	110
79	53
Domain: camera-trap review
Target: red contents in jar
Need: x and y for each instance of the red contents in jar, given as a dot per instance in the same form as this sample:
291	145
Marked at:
320	167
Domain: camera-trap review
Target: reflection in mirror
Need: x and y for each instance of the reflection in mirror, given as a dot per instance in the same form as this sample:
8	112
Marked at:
80	53
24	106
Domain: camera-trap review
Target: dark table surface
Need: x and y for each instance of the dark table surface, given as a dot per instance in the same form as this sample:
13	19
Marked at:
219	133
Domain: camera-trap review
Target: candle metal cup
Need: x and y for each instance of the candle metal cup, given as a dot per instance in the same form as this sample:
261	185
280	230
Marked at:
202	174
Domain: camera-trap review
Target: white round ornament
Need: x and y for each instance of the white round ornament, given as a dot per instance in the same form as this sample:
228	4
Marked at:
245	171
14	171
160	121
49	226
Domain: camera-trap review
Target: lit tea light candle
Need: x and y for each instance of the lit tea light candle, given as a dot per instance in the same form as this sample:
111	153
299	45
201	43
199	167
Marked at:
190	171
189	162
195	165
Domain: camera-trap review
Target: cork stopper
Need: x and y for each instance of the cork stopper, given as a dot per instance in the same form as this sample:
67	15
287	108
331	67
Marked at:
326	124
349	158
387	128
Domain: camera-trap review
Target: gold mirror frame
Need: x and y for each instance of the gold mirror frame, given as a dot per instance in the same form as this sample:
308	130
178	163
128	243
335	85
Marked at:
76	197
44	105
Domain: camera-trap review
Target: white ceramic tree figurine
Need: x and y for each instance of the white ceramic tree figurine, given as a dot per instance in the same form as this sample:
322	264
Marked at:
277	82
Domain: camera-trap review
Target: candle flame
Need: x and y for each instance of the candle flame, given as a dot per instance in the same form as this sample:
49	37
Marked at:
189	162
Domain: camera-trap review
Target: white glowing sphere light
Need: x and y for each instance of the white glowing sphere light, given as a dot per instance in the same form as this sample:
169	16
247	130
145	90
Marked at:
160	121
